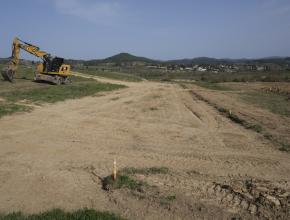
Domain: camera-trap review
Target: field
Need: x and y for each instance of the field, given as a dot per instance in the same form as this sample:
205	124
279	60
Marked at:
112	74
164	75
184	149
24	94
264	106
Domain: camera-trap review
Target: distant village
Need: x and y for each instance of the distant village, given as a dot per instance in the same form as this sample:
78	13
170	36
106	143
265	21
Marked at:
216	68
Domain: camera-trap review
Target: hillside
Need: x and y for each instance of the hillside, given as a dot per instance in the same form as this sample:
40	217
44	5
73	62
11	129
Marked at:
120	58
200	60
212	61
126	57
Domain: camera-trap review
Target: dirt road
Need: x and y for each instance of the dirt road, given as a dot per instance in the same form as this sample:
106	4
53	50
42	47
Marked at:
47	157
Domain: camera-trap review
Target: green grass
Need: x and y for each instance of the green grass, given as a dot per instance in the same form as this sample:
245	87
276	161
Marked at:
24	88
285	147
123	181
51	94
10	108
170	198
235	118
111	75
255	127
212	86
147	171
57	214
165	201
275	103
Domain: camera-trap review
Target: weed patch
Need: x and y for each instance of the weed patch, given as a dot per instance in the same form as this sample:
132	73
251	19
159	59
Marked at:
235	118
58	214
275	103
111	75
153	108
10	108
146	171
255	127
52	94
123	181
182	85
285	147
212	86
165	201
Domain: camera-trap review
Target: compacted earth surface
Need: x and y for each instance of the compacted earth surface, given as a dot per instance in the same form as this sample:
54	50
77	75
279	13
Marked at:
187	160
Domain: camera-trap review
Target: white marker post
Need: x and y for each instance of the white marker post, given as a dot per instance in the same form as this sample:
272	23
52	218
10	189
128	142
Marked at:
115	170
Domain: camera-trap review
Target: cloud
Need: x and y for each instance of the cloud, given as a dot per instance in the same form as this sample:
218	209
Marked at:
276	7
100	12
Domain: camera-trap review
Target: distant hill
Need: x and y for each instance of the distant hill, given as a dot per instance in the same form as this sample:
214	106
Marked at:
200	60
213	61
126	57
120	58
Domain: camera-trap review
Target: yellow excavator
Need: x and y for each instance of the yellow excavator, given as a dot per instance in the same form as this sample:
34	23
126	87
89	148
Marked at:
52	69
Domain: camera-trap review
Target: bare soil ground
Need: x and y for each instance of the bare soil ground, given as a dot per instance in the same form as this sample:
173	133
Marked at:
57	155
284	86
275	125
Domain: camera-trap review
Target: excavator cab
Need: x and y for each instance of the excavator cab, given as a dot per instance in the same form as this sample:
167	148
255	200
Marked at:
55	64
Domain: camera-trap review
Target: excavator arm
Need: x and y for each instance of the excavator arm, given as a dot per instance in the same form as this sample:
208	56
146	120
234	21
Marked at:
8	72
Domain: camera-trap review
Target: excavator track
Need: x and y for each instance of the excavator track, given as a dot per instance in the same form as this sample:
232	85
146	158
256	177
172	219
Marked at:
54	79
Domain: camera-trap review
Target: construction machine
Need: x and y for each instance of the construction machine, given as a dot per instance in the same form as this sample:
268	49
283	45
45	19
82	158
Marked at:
51	69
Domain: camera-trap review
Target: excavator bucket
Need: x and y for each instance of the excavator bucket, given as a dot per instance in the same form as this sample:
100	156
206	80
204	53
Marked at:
7	74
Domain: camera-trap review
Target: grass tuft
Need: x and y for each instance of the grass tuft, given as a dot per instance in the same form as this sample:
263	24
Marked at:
212	86
167	200
255	127
147	171
123	181
285	147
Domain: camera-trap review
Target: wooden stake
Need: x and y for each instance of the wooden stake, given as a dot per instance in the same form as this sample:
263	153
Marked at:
115	170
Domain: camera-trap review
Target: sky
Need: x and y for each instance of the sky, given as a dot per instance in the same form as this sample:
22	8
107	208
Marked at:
158	29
